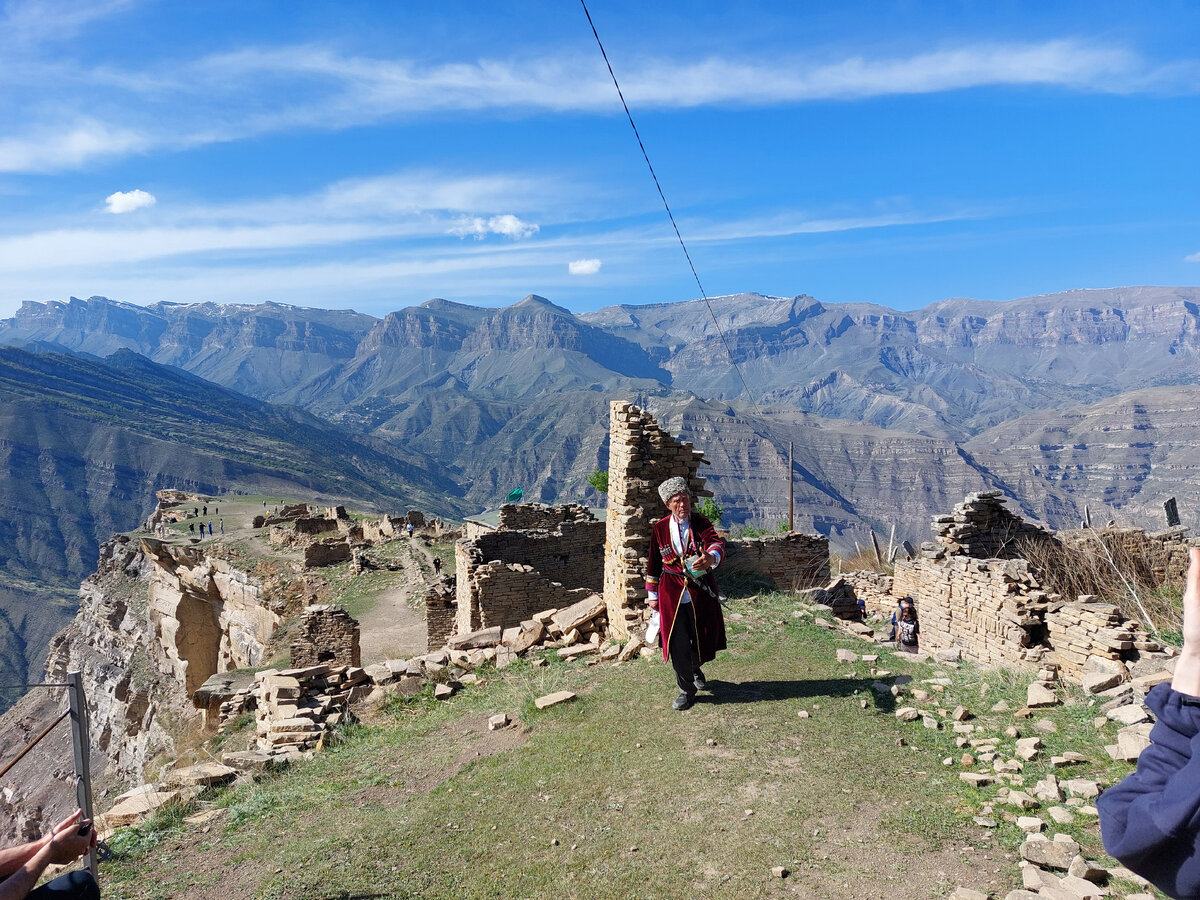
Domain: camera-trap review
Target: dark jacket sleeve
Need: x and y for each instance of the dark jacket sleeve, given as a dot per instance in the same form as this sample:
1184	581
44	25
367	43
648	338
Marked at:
1151	820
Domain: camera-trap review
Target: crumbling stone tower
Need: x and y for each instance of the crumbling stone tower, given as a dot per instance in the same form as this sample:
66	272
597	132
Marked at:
640	457
327	634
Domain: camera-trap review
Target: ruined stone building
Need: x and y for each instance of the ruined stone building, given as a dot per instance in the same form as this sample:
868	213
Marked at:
531	557
506	575
1006	592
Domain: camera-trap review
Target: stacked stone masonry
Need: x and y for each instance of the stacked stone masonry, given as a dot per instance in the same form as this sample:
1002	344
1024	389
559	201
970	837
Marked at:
297	707
982	528
997	610
326	635
541	517
992	610
874	589
640	457
505	576
440	610
1087	628
791	562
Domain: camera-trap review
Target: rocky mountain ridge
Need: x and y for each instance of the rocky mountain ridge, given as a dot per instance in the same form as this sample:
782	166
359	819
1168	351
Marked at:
85	443
891	413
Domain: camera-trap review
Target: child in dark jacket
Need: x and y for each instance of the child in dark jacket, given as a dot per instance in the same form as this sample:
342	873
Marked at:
1151	820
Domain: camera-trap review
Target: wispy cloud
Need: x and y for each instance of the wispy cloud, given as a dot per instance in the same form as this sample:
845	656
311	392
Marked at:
507	225
33	22
417	206
1195	257
218	98
47	149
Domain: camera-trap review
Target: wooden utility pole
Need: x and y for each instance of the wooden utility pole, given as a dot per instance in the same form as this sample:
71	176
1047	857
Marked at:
791	491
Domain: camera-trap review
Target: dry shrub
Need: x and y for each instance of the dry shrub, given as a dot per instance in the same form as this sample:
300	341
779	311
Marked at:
1100	563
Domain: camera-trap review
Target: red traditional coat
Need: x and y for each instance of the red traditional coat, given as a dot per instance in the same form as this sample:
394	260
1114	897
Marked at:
665	574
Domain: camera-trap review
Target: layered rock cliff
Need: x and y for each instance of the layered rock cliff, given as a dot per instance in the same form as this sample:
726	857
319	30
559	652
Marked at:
155	620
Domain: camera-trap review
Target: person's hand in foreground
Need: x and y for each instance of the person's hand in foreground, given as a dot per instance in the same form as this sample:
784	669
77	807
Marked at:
1187	669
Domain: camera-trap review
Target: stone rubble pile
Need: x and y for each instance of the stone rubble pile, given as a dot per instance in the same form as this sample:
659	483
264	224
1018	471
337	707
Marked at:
1052	867
1088	628
296	708
981	527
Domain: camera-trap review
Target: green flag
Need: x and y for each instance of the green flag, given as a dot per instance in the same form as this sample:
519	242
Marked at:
515	495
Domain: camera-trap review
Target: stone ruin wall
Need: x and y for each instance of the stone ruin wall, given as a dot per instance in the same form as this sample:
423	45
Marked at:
640	457
388	528
791	562
1161	556
981	527
541	516
504	577
326	635
997	610
992	610
875	589
441	609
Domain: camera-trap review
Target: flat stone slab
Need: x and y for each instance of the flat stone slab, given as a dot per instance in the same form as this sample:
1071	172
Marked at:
1038	695
205	774
135	808
247	760
485	637
553	699
1130	714
1095	682
579	613
976	779
500	720
1056	854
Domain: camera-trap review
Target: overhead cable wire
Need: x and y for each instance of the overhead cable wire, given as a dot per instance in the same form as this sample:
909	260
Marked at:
667	206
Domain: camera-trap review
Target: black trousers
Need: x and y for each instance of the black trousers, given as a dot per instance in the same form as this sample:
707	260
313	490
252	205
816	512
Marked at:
73	886
684	649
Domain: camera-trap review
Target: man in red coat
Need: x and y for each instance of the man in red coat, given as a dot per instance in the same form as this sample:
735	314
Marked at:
684	549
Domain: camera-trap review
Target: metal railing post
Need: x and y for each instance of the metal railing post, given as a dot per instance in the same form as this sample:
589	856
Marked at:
83	750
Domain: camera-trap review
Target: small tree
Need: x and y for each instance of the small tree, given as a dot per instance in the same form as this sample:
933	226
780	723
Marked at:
599	480
710	509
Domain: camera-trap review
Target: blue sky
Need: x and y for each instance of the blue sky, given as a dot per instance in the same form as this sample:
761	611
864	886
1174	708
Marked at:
373	155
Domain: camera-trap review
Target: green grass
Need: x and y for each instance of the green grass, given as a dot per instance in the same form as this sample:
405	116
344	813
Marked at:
616	795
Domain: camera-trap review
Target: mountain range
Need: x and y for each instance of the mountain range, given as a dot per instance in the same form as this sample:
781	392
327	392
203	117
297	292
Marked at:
1063	400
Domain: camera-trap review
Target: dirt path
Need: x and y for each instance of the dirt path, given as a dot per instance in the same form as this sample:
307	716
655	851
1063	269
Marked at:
393	629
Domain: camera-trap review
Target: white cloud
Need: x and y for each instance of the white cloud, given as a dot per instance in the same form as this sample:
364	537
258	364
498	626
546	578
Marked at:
47	149
128	201
214	99
38	21
508	225
583	266
1195	257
